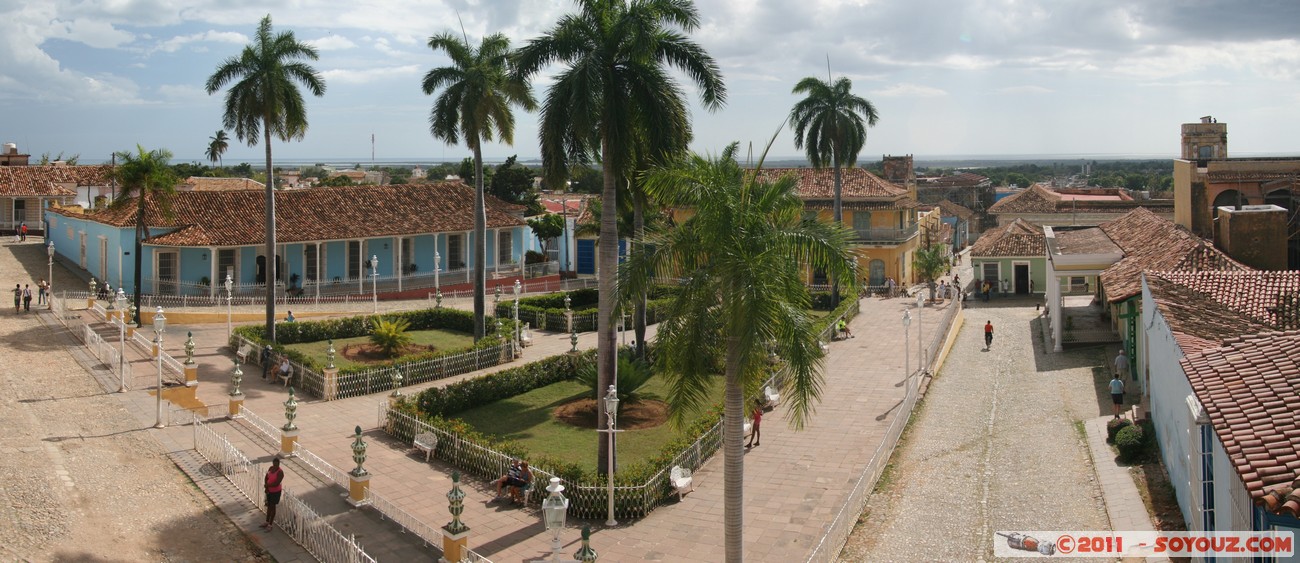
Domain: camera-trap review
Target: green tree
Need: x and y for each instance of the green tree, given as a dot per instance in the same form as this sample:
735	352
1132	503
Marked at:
390	335
740	257
513	183
338	181
930	263
614	92
1020	180
830	124
264	100
477	92
546	227
217	145
144	177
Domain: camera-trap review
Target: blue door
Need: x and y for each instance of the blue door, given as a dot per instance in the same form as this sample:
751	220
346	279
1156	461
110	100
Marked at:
586	256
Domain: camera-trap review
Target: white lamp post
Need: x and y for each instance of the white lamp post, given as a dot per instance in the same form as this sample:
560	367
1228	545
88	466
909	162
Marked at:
230	296
554	511
907	354
49	287
437	272
611	412
121	341
159	327
518	288
920	348
374	277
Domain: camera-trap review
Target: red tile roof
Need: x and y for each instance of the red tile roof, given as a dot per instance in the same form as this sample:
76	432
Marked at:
1197	320
1249	387
1152	243
960	180
1039	199
1269	298
1084	241
953	209
234	217
203	184
1036	199
50	180
1019	238
856	183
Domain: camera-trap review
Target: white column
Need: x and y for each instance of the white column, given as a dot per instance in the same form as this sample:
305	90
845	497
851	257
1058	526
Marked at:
319	274
496	258
212	277
398	266
361	279
1058	310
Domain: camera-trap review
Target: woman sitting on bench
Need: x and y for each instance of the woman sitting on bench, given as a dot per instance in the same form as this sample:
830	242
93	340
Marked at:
515	481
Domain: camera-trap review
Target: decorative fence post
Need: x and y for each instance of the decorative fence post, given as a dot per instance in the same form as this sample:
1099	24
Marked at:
586	554
130	328
397	383
289	432
90	299
358	478
455	535
331	375
439	298
236	396
191	368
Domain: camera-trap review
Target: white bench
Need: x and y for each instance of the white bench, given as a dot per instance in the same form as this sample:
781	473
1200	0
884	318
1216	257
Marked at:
426	442
243	352
681	481
747	428
771	396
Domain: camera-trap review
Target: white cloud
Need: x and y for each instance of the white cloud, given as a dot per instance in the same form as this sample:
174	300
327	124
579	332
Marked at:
176	43
95	33
904	89
365	75
332	43
183	93
1027	89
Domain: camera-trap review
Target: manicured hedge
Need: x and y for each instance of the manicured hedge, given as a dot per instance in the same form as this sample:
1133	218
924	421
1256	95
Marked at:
547	312
1131	442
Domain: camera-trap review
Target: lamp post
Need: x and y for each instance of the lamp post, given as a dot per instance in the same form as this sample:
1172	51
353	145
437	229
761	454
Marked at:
121	341
230	296
907	354
374	280
94	291
920	348
518	288
611	412
554	510
159	327
49	284
437	272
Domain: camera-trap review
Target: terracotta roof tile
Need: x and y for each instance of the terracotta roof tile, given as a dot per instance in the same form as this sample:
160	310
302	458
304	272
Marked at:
202	184
234	217
1270	298
1151	243
1197	320
1019	238
50	180
960	180
1040	199
1248	388
953	209
1084	241
1036	199
856	183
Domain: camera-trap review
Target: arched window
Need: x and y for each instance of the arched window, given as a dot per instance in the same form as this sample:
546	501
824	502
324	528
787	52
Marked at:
1226	198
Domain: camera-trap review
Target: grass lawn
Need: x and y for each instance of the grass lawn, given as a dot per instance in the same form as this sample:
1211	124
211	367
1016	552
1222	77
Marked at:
439	339
527	419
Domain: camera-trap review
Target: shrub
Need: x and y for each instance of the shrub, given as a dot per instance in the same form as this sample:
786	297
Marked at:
1131	441
632	375
390	335
1114	426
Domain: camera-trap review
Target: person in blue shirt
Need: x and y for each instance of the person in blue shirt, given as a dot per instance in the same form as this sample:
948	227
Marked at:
1117	393
289	318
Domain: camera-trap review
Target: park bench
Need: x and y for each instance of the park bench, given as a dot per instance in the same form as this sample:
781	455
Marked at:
426	442
681	481
242	353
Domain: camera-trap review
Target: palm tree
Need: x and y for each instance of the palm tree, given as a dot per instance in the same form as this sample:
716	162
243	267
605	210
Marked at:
831	126
740	256
477	92
149	177
217	146
616	93
265	100
930	263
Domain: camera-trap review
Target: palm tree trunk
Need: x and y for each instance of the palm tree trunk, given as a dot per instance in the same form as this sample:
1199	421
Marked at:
733	455
606	277
480	247
139	258
638	313
270	268
838	211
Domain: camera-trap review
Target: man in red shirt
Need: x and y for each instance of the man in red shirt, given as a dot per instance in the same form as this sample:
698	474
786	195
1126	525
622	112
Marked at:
274	479
755	436
988	335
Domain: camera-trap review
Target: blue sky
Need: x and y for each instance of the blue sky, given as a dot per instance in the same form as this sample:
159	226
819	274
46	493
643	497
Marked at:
977	77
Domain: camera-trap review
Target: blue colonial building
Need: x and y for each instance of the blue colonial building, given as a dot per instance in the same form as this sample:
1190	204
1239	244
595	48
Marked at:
326	238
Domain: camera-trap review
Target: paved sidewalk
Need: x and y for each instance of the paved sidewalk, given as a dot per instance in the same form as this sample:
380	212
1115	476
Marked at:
1123	503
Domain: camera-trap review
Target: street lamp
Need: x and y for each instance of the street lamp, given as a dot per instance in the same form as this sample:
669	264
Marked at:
554	511
121	340
49	284
518	288
907	354
374	280
159	327
230	296
611	412
437	271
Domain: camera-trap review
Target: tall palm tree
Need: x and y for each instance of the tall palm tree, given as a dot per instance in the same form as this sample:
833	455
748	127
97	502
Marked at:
615	92
217	146
477	92
740	256
146	176
830	124
264	100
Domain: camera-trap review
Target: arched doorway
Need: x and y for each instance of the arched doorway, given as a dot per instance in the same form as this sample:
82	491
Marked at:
876	273
1226	198
261	268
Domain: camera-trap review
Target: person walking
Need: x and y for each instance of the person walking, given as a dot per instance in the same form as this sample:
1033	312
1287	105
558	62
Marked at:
754	436
987	289
988	335
1117	393
266	360
27	298
40	292
1005	285
273	486
18	298
1121	365
23	229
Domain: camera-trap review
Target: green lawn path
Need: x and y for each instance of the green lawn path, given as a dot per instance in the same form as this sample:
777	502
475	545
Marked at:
440	339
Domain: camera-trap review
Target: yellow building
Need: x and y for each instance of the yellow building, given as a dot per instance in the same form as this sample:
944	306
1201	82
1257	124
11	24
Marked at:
882	215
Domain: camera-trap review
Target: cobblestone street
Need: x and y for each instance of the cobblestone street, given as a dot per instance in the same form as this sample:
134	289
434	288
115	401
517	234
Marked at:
996	444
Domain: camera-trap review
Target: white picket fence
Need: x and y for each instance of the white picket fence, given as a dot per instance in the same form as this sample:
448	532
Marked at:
294	516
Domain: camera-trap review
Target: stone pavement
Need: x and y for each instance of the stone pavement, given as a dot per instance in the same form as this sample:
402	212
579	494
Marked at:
1123	503
794	483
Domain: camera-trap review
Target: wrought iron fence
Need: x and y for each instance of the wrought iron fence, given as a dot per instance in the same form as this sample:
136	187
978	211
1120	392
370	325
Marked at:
106	353
295	517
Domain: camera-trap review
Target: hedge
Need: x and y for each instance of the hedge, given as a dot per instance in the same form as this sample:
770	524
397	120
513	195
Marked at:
1131	442
547	312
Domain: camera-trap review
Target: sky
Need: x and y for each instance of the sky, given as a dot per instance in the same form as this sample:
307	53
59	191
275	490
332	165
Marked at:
947	77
